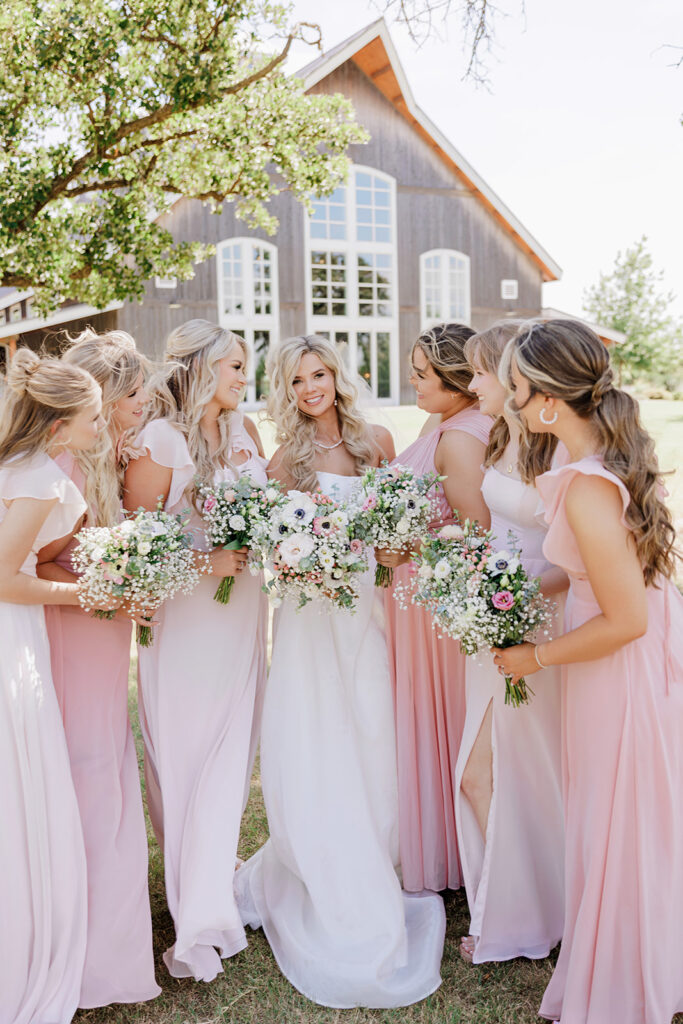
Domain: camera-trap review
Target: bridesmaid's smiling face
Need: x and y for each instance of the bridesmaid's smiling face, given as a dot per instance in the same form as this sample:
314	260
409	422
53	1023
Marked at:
314	386
489	390
127	412
430	393
232	378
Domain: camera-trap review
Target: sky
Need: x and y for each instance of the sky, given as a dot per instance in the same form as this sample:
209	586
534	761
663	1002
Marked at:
579	131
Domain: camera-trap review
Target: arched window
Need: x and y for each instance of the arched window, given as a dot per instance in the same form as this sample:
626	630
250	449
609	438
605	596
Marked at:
352	276
248	301
444	287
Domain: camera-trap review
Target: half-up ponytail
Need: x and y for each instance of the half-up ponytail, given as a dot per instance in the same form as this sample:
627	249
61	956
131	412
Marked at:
565	359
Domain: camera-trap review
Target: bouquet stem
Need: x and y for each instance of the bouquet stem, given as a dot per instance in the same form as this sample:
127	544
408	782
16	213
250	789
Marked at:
384	576
100	614
145	636
224	591
518	693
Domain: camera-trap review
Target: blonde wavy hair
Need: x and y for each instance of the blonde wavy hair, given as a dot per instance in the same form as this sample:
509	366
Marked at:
565	359
294	430
485	351
181	391
113	360
40	393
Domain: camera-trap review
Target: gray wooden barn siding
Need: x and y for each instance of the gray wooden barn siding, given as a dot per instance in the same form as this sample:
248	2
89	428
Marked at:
434	210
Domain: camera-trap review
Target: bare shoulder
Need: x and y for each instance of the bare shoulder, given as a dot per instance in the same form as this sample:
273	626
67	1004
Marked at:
384	441
457	447
253	432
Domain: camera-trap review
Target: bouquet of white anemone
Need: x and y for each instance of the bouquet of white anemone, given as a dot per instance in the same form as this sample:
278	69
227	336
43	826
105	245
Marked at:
238	514
143	560
310	553
478	594
391	509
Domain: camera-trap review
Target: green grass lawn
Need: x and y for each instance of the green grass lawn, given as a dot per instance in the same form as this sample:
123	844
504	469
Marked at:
252	990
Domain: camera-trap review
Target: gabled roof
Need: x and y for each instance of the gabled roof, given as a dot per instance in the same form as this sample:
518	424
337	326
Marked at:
374	53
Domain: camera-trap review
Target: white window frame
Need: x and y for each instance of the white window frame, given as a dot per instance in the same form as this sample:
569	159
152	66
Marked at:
248	322
353	323
444	270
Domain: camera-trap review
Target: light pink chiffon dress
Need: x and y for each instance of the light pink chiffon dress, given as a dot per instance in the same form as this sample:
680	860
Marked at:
621	960
201	685
43	891
515	879
90	662
428	674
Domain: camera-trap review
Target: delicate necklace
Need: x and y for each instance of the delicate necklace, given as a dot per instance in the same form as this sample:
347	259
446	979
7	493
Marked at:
328	447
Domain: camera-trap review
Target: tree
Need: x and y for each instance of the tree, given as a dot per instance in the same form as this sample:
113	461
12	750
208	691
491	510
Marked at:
629	300
112	109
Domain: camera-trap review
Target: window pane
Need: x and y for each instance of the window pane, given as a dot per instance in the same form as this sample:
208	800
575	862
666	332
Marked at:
383	364
327	297
363	180
261	343
363	363
328	219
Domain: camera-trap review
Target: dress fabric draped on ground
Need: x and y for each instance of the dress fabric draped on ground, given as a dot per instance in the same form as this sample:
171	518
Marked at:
324	887
515	878
43	893
621	960
200	688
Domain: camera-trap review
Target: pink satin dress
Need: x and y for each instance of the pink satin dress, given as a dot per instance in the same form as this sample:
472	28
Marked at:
90	664
428	674
621	960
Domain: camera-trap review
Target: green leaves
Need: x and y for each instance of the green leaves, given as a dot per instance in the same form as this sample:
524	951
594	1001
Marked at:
112	109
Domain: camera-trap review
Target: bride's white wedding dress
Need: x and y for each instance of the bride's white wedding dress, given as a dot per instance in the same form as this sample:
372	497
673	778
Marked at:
324	887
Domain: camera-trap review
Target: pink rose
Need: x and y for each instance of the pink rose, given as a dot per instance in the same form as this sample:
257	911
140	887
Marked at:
369	503
209	504
356	546
229	495
503	600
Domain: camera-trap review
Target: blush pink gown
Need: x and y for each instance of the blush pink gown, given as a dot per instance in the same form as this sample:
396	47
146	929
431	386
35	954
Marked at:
43	891
201	686
90	662
621	960
514	879
428	674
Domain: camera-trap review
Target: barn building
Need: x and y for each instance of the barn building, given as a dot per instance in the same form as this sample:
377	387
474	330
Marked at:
414	237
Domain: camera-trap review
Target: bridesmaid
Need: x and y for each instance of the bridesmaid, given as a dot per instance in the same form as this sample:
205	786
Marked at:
324	887
46	407
200	682
622	676
90	664
428	672
508	796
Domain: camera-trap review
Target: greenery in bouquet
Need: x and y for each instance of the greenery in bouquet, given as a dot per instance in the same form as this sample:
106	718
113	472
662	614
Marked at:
238	514
391	509
143	560
311	553
479	594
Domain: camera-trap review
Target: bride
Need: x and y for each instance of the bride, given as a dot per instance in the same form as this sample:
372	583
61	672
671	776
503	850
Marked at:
324	887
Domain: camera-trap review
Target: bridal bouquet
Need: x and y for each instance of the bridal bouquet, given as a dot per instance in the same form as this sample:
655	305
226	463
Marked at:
143	560
391	509
237	515
479	594
311	553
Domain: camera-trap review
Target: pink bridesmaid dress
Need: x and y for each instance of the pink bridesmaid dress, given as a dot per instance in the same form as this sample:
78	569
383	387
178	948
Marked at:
428	675
43	892
621	960
90	662
515	878
201	686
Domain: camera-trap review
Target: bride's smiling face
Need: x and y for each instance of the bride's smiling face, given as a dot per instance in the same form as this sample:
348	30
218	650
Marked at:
314	386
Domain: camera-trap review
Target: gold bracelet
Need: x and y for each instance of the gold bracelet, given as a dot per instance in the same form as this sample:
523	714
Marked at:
538	660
